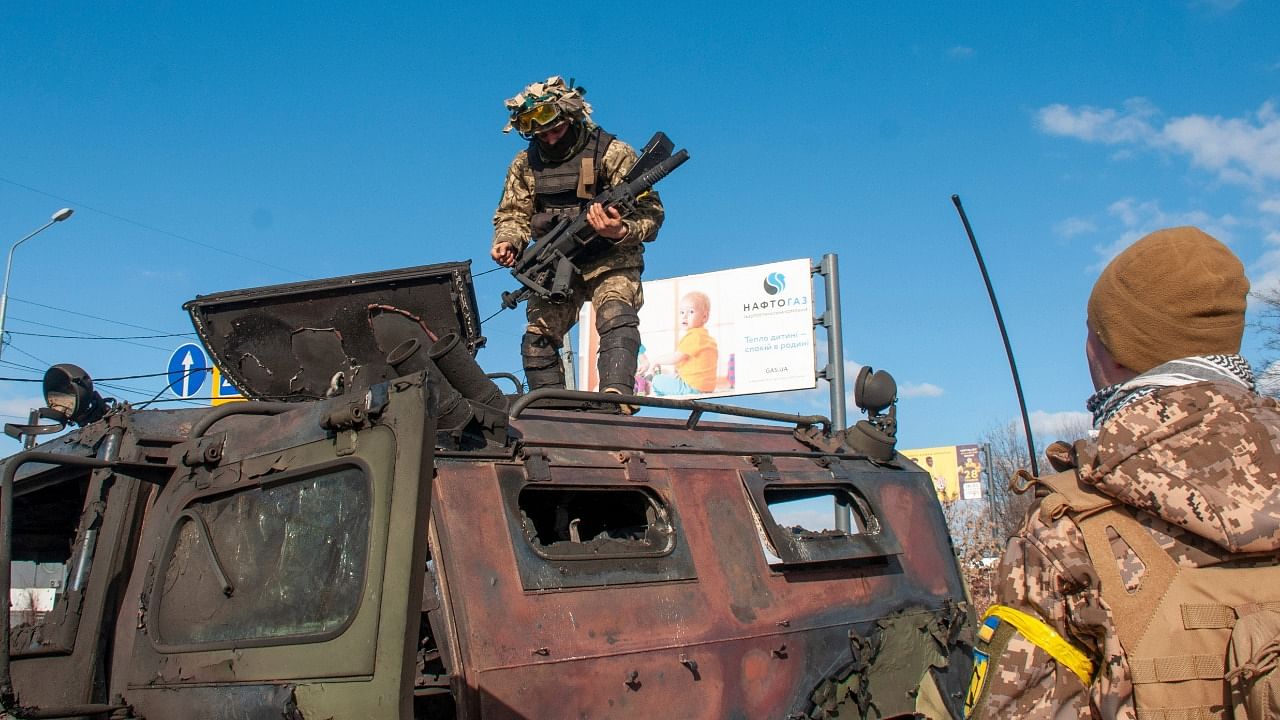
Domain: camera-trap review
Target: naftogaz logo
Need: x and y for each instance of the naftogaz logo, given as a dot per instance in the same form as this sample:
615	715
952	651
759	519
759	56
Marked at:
774	283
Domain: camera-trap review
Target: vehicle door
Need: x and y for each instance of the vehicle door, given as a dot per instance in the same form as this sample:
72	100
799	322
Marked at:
284	579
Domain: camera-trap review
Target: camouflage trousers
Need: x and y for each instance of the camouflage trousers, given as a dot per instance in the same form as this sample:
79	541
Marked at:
554	319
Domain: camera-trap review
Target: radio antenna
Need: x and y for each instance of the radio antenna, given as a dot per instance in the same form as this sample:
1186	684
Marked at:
1004	335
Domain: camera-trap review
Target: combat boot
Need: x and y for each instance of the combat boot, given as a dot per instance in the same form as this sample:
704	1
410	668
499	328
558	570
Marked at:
619	327
540	356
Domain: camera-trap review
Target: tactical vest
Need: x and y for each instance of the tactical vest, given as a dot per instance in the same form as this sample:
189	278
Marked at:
564	188
1201	643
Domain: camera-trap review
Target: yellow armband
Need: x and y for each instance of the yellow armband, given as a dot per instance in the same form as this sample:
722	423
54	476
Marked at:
1043	636
994	632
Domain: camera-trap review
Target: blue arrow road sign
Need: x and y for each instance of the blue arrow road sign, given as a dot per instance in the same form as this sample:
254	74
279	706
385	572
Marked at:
187	370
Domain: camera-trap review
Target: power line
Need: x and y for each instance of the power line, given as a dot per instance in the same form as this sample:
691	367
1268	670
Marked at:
99	380
17	349
159	374
83	206
82	314
20	366
93	337
96	337
120	388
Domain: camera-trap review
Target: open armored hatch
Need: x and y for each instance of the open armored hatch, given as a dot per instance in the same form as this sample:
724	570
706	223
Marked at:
301	341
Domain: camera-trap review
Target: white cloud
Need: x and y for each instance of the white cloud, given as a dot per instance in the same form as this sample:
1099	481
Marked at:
919	390
1048	426
1270	205
1242	150
1103	125
1238	149
1139	217
1074	226
959	52
1266	271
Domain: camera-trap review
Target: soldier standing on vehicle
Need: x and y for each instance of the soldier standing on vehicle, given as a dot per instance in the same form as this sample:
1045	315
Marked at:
1144	582
570	160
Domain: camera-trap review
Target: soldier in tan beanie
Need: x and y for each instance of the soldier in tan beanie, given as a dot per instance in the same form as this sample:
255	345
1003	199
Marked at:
1124	594
1175	293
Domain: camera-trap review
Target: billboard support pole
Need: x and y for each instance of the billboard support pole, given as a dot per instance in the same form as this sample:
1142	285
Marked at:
566	357
833	373
991	486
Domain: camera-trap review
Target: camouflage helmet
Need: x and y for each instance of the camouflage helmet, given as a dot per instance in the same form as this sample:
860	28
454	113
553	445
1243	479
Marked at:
543	104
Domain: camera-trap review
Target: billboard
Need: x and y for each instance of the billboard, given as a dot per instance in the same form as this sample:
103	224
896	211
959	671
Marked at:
969	471
956	470
732	332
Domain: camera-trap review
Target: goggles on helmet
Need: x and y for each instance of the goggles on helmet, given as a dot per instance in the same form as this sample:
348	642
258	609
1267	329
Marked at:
536	118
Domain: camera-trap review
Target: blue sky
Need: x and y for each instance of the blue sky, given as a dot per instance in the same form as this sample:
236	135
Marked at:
207	148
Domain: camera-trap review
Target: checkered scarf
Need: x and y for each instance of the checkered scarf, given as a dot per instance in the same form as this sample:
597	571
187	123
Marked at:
1221	368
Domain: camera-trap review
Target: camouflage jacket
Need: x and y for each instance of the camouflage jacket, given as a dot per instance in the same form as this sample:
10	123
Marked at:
1197	465
516	209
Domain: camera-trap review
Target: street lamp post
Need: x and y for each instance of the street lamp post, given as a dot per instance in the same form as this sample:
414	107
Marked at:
58	217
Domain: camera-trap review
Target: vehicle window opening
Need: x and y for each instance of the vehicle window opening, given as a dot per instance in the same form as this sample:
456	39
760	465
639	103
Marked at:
598	520
44	531
809	513
266	562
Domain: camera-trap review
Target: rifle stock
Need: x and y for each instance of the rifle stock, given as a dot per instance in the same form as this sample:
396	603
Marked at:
547	267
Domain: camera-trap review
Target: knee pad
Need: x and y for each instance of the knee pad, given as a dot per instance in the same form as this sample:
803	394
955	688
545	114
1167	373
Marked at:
619	326
614	314
539	351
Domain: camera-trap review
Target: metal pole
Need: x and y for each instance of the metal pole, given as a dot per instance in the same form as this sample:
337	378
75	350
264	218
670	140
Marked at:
59	216
33	419
834	372
829	269
991	486
570	372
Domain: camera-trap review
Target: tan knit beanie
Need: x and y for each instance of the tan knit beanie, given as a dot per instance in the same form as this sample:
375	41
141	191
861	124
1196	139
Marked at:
1175	293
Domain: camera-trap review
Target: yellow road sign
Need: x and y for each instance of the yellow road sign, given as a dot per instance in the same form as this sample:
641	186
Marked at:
224	391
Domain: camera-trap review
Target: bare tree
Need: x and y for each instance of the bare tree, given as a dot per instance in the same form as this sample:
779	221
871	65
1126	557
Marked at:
1267	324
1006	451
976	547
980	529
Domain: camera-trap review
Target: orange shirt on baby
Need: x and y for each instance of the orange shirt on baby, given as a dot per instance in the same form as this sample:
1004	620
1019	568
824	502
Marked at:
699	369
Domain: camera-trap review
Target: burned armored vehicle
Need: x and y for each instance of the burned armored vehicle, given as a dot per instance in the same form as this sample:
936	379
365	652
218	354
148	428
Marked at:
382	531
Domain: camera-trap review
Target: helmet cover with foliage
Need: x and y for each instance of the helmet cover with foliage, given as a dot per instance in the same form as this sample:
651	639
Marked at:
543	105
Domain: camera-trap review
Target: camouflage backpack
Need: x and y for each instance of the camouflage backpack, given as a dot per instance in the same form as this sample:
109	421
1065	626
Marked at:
1201	643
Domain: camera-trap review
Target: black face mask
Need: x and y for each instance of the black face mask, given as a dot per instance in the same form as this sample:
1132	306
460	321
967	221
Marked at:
565	147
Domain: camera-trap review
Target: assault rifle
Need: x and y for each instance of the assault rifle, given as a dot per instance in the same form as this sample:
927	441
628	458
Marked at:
547	266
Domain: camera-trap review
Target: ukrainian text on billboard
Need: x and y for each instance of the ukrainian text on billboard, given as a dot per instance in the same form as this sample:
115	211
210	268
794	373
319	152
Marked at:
733	332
